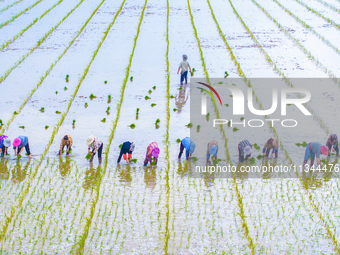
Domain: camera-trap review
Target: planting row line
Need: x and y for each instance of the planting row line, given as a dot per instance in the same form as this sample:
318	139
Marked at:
10	5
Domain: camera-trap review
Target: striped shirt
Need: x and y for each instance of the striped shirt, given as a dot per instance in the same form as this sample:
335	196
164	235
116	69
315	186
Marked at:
150	149
95	145
242	145
67	143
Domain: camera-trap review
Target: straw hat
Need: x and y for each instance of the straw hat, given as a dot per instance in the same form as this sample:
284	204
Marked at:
90	140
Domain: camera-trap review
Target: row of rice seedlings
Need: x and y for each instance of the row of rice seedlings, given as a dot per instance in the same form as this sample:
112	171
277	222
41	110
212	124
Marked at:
167	145
19	14
308	53
243	218
48	71
78	247
40	41
329	6
10	5
330	234
5	44
319	14
310	28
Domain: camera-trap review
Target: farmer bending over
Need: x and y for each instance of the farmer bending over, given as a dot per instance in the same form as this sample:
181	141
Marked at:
5	142
189	147
66	141
19	143
184	65
152	153
244	150
127	148
312	149
271	144
212	150
96	145
332	141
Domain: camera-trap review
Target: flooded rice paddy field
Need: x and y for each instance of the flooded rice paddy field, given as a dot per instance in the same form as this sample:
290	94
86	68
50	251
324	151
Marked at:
52	205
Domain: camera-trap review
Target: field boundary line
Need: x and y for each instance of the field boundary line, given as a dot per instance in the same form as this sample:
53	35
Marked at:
240	71
245	228
47	72
310	28
10	5
167	145
78	247
319	14
5	44
40	41
19	14
329	6
55	131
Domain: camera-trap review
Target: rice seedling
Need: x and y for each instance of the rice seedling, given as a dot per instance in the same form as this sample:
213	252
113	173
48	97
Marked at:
153	104
198	128
235	129
131	78
86	105
103	120
227	105
178	140
252	160
180	88
73	122
105	82
132	126
154	87
172	96
22	127
216	161
65	88
303	144
15	113
1	122
108	110
259	156
150	91
189	125
57	112
230	95
157	121
147	97
242	118
137	111
88	156
134	160
92	96
207	116
226	74
175	109
56	92
109	97
120	146
42	109
46	127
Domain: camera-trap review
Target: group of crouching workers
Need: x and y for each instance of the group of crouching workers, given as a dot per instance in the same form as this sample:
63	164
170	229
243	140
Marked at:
95	146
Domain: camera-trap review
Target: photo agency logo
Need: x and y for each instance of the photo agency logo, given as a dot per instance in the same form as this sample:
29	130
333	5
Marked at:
239	101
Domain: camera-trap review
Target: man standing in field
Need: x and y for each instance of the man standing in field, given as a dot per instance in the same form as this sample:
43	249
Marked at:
184	65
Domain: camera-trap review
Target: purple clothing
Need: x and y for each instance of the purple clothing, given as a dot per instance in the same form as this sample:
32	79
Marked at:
2	138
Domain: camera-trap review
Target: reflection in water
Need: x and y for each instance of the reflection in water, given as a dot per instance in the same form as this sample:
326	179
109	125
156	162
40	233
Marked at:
19	174
181	98
125	173
150	176
91	177
209	179
64	166
4	174
183	170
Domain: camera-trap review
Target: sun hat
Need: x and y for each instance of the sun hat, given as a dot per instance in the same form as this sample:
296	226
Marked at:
16	142
192	147
185	57
90	139
7	142
212	150
155	152
247	150
324	150
132	147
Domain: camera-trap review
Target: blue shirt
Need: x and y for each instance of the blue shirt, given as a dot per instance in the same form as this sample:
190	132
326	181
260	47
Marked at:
189	146
24	142
316	146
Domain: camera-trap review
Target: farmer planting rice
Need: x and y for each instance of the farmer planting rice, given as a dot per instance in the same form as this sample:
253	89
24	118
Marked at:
66	141
96	145
189	147
183	67
332	141
273	145
5	142
212	149
244	150
314	149
127	148
19	143
152	153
